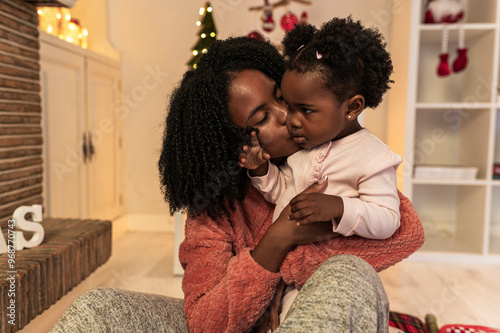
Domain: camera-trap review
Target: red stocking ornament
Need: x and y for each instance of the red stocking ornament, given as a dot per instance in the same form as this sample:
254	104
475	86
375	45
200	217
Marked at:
461	61
443	67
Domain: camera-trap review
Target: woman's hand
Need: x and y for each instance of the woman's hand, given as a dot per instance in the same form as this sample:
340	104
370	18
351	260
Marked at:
283	234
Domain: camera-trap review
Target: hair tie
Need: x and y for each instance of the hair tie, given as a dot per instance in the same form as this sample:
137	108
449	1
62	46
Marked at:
318	55
301	46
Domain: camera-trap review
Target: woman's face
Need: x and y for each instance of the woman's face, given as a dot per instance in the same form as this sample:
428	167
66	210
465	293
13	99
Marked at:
255	100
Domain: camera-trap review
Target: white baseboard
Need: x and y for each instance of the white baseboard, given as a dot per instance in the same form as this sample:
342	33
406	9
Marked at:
150	222
120	227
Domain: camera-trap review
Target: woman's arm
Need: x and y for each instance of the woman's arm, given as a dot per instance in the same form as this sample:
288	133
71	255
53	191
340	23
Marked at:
223	290
227	286
301	262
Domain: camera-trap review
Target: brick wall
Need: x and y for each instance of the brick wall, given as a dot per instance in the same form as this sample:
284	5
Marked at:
21	164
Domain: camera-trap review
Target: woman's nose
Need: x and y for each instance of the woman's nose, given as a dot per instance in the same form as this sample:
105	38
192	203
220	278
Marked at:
282	115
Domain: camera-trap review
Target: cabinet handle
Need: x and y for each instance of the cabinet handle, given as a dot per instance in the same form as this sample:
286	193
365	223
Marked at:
91	147
85	149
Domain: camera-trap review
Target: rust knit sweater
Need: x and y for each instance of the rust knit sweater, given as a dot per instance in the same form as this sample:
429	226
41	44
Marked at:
227	291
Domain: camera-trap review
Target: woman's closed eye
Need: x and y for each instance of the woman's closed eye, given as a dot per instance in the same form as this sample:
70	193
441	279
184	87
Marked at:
263	119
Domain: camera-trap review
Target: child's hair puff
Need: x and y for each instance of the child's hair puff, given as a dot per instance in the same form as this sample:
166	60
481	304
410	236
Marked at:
352	58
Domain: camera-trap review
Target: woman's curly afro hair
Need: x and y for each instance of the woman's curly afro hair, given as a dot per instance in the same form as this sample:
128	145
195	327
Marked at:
198	162
353	59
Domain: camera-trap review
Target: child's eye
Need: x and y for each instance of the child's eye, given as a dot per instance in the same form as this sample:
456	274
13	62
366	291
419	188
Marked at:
307	111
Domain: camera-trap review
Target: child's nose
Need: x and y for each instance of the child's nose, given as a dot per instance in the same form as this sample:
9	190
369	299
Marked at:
292	120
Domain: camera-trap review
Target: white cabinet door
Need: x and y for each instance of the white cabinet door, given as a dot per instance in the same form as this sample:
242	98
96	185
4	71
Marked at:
62	77
103	133
82	133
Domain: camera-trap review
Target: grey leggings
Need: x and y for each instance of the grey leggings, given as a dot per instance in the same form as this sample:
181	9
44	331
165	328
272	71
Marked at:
345	294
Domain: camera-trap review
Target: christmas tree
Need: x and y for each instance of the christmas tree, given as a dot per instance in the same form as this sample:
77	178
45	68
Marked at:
207	34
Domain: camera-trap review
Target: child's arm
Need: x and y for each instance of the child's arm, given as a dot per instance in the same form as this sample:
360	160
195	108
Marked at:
374	213
254	157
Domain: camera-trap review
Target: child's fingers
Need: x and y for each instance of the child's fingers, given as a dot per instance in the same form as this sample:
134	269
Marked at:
300	215
253	139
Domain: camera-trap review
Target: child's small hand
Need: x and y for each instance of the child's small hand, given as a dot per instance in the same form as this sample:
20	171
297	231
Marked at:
253	156
309	207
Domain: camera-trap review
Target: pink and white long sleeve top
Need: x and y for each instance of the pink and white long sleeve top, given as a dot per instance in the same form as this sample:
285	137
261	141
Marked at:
361	169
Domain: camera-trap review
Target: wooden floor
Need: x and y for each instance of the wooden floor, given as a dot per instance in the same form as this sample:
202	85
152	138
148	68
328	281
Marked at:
465	294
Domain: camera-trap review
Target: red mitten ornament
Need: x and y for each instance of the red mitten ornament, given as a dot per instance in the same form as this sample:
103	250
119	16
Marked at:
443	67
461	61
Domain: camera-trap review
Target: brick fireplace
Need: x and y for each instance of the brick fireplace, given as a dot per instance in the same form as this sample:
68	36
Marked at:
21	164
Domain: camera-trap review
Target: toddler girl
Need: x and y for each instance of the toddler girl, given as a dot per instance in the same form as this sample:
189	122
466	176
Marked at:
332	75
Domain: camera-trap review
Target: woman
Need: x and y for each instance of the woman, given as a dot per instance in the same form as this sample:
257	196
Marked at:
233	255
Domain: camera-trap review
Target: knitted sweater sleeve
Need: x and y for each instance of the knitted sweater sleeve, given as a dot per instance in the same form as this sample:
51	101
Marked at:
301	263
223	291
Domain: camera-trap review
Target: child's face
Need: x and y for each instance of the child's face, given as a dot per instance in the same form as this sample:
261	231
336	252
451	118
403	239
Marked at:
315	115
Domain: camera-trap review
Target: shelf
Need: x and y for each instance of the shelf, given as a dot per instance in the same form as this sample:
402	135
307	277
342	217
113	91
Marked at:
451	137
432	34
455	121
445	105
464	182
452	216
456	26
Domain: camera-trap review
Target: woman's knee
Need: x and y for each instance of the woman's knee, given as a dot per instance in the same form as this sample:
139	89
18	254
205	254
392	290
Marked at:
346	264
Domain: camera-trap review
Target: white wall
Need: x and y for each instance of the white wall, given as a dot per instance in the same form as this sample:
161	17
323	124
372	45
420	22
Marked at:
155	39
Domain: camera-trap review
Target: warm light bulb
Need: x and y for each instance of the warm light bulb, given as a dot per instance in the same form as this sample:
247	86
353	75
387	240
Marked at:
68	17
58	15
204	50
61	37
203	35
209	9
202	10
212	34
50	29
85	32
198	23
195	52
69	39
195	65
40	12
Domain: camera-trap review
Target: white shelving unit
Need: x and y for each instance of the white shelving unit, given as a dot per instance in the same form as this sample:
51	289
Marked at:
455	120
